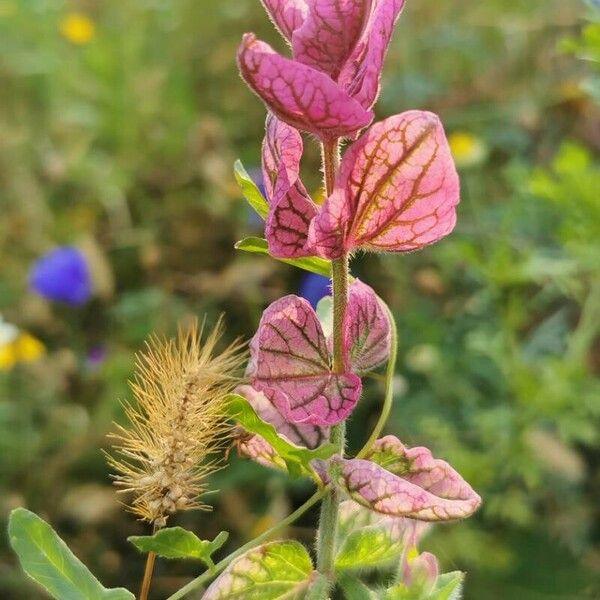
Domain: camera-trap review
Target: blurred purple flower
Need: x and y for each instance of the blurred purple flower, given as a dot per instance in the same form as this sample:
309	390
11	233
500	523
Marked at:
62	275
314	287
96	357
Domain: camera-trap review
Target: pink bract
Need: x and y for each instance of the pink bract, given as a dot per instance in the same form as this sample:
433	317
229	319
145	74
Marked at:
291	361
367	330
291	208
346	39
290	364
397	190
413	484
301	96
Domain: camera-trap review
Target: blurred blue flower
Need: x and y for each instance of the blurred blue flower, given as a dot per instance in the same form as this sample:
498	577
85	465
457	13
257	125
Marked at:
313	287
62	275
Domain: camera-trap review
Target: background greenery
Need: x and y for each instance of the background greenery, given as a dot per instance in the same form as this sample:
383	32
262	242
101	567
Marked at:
118	133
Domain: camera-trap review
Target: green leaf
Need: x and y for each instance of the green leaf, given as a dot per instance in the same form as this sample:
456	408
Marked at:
367	540
275	571
296	458
250	190
49	562
325	314
355	589
448	586
314	264
176	542
368	548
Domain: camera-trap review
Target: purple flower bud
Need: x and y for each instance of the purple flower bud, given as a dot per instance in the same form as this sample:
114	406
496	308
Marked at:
62	275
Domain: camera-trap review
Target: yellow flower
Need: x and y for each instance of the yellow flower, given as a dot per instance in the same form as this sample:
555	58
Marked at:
77	28
7	357
467	149
28	348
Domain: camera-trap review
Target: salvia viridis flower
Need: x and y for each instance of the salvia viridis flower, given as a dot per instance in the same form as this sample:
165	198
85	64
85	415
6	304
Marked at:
333	80
178	424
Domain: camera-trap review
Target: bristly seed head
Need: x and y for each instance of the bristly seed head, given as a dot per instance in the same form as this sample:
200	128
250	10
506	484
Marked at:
178	423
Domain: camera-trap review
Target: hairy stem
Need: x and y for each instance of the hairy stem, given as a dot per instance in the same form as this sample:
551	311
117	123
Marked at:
263	537
328	523
389	389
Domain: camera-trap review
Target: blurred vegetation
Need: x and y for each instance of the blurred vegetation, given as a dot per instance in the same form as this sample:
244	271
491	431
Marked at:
119	124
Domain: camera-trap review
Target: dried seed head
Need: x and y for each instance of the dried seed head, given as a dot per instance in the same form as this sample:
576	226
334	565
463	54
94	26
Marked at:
178	423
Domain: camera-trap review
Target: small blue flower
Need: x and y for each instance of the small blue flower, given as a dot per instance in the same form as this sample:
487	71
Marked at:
313	287
62	275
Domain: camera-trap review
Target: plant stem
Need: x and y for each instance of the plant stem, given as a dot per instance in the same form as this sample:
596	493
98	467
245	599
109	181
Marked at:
389	389
328	523
221	565
149	571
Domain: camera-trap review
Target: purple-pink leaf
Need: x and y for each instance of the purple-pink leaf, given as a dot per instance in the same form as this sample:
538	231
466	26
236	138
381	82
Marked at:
287	15
367	331
300	434
288	224
256	448
397	190
427	489
291	208
290	363
298	94
361	74
329	33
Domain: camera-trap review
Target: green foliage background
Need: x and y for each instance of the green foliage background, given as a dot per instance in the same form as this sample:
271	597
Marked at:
125	146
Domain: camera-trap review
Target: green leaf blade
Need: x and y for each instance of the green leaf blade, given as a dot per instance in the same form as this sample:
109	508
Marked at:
274	571
179	543
47	560
250	190
368	548
296	458
313	264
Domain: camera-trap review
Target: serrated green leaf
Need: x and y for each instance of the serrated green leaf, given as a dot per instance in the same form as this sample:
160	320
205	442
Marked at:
275	571
296	458
49	562
176	542
368	548
250	190
313	264
448	586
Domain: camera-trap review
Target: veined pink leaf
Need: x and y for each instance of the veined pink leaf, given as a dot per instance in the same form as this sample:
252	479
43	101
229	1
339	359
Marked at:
288	225
256	448
282	150
300	434
361	74
291	208
367	331
418	466
298	94
287	15
397	190
290	363
329	33
428	490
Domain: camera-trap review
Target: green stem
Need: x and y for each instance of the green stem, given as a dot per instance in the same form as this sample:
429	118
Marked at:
328	522
263	537
389	389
